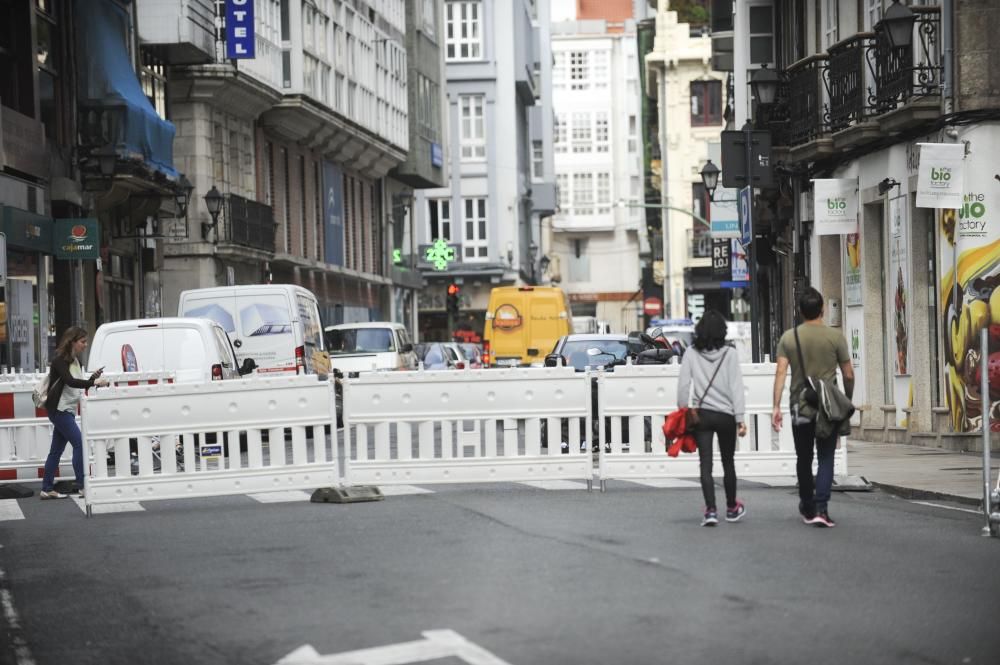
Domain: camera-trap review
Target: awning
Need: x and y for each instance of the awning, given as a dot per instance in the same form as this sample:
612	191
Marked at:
108	80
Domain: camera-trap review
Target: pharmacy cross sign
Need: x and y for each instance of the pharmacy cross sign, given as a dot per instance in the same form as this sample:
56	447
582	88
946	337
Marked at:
440	254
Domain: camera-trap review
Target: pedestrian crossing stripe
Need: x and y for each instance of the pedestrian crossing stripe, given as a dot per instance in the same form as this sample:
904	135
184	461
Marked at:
284	496
403	490
9	510
108	508
555	484
665	483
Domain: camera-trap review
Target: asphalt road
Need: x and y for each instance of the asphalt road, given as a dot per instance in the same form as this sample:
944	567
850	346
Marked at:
528	575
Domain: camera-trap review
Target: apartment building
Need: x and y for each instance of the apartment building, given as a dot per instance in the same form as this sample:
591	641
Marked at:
597	234
862	90
483	228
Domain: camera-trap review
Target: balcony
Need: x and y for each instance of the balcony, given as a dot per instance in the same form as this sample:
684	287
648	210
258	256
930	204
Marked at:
908	79
179	32
247	223
808	120
850	86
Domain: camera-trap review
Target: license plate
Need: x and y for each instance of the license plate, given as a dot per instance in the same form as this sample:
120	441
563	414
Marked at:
508	362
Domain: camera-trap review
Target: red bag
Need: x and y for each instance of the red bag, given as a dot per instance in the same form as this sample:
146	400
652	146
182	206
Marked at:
676	424
685	443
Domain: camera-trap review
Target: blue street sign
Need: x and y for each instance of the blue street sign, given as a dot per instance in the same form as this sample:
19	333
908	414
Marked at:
240	33
746	216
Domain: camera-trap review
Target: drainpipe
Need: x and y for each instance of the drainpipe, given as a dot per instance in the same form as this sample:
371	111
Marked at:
948	54
668	278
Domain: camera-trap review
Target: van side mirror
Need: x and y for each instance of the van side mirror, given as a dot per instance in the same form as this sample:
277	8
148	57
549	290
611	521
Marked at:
554	360
248	366
408	347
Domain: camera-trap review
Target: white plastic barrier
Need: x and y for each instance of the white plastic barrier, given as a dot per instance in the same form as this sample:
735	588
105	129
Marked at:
634	400
466	426
210	422
25	432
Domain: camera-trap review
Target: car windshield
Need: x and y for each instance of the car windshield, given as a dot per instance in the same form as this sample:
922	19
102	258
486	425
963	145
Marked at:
359	340
593	353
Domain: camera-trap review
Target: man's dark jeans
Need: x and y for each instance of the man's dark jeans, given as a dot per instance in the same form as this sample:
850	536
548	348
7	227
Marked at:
813	498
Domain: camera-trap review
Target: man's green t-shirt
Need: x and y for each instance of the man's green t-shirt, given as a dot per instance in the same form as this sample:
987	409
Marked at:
824	349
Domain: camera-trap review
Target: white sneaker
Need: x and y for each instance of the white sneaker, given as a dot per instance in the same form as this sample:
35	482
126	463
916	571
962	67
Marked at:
51	494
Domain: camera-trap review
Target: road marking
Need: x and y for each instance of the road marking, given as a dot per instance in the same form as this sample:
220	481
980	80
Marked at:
436	644
938	505
109	508
10	510
284	496
402	490
771	481
555	484
666	483
22	654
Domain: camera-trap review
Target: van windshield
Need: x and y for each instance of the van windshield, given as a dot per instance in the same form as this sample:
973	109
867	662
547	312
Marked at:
359	340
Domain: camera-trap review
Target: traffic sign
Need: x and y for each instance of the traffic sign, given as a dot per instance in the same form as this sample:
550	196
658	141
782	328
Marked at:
746	216
652	306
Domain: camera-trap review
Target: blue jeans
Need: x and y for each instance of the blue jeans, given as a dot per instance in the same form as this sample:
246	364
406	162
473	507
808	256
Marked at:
813	498
64	430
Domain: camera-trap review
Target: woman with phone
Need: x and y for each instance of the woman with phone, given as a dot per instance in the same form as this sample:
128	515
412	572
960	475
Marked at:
66	386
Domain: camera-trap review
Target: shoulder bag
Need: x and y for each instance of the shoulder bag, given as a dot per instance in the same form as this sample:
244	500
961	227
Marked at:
40	394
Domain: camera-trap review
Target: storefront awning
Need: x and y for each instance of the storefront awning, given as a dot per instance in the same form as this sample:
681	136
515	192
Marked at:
108	80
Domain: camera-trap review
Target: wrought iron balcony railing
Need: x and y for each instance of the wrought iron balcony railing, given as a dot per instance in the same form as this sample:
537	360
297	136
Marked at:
903	73
846	80
247	223
807	119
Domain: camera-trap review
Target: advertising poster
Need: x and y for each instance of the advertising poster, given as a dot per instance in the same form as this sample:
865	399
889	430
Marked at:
941	175
969	260
333	213
854	330
721	251
738	262
852	268
898	286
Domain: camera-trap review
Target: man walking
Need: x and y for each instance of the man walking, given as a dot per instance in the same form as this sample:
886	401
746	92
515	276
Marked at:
816	351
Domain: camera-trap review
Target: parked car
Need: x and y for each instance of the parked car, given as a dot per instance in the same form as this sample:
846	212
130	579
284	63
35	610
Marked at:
457	355
371	346
522	324
473	353
589	351
277	325
437	356
193	349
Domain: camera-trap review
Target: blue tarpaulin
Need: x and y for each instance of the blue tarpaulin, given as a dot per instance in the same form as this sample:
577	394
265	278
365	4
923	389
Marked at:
108	80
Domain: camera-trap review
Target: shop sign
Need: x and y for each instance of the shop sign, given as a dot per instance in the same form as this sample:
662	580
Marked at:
437	157
721	252
240	33
26	230
835	206
76	239
941	175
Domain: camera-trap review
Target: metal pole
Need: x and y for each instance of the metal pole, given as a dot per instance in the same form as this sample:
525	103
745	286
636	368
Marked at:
752	251
668	301
984	387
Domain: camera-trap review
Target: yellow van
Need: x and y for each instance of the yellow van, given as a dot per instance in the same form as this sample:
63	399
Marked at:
523	324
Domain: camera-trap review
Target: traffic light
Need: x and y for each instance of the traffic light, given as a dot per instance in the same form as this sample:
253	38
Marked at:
454	290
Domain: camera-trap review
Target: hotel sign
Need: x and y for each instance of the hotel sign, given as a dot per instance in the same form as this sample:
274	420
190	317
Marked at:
239	30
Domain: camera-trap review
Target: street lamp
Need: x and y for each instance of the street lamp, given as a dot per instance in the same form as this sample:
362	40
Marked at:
182	195
710	178
213	201
107	160
897	22
764	84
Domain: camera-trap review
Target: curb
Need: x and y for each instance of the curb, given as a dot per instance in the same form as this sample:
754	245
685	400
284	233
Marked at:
920	495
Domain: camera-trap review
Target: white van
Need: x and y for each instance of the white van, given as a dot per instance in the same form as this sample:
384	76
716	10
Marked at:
194	350
277	325
364	347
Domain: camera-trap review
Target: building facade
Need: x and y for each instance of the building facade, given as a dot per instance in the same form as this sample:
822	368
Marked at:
859	104
483	228
597	235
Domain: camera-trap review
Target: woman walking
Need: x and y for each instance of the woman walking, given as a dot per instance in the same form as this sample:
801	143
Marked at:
66	386
711	371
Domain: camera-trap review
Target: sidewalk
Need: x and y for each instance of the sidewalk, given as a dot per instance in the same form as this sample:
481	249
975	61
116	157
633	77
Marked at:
914	472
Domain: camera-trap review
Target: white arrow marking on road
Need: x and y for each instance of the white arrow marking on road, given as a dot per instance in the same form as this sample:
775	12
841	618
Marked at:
436	644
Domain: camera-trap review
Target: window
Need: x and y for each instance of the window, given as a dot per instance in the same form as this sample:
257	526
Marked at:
537	160
463	30
473	134
761	35
439	219
603	193
559	70
601	140
48	59
474	243
578	70
581	132
561	140
831	23
873	13
599	71
706	103
583	193
633	142
562	185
